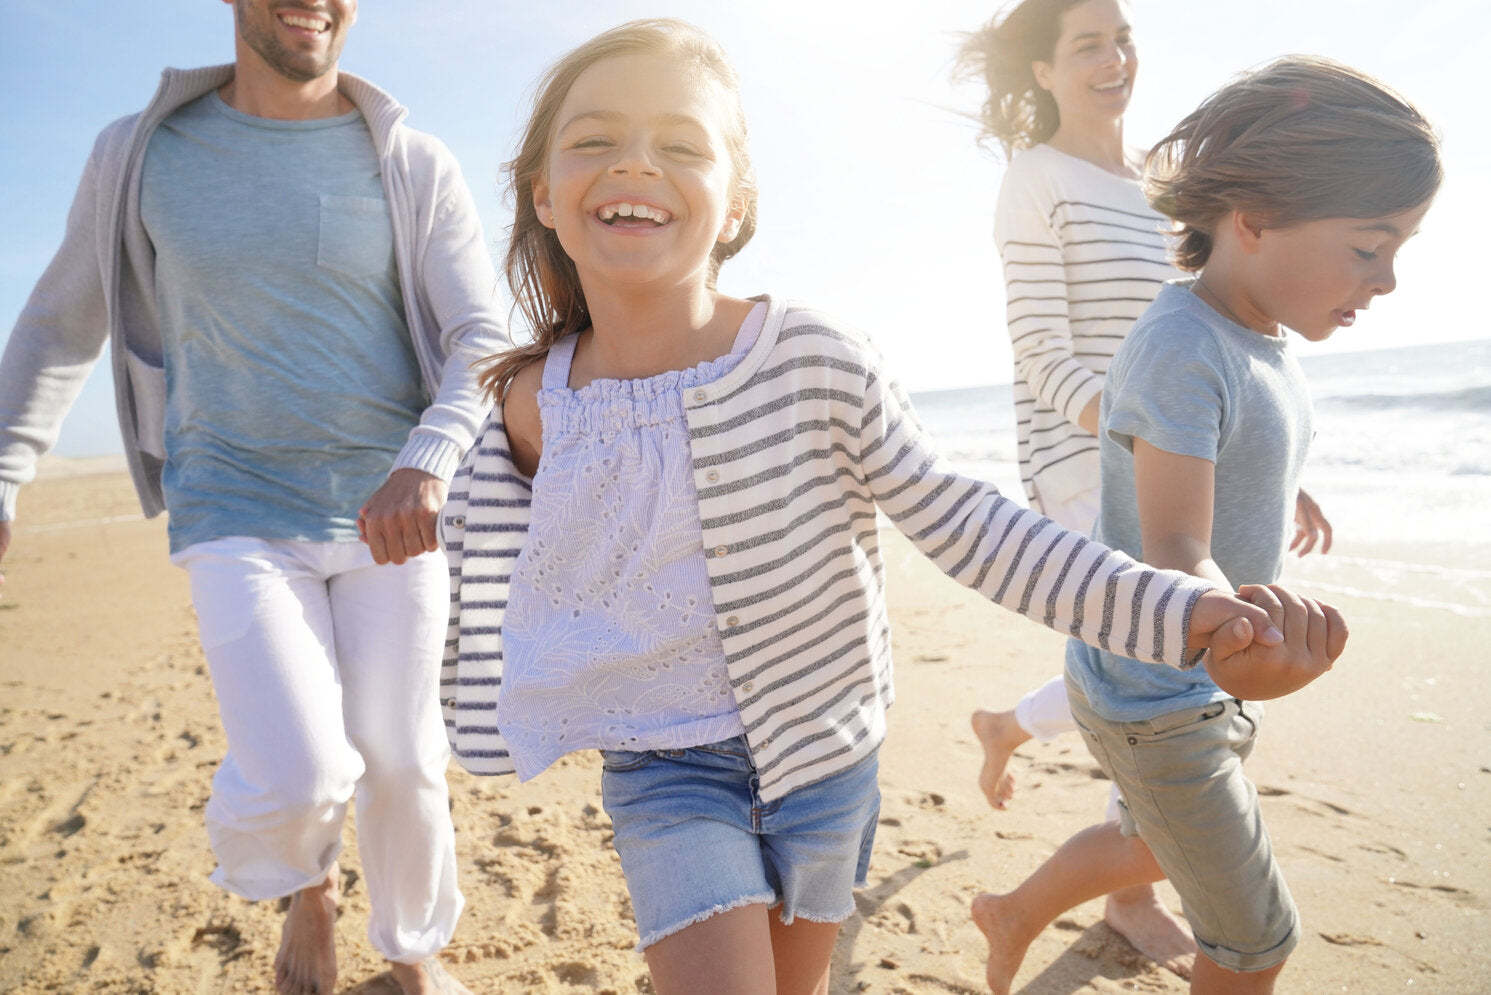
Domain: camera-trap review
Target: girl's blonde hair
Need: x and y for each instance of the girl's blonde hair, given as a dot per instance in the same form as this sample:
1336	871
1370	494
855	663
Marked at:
1301	139
1018	112
545	284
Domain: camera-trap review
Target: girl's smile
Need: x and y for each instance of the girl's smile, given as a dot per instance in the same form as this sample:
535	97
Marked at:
633	215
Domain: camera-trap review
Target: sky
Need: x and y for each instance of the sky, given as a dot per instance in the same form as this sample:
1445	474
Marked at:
876	200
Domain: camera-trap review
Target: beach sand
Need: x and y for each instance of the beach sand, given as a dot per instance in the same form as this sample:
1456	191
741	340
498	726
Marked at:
1376	785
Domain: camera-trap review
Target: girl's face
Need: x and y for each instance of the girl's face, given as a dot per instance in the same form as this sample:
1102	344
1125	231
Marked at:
1092	68
639	184
1314	276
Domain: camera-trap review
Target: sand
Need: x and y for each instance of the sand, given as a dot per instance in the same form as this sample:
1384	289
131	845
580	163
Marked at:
1376	784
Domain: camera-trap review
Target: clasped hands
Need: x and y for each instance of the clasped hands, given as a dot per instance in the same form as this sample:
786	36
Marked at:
1265	641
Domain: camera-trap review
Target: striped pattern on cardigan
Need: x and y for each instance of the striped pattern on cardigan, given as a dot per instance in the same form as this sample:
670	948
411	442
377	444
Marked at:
1083	256
794	451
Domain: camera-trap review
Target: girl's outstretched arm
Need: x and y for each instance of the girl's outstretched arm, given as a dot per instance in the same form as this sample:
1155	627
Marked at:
1018	558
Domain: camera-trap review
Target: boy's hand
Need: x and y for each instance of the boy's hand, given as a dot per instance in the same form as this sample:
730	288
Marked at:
1314	635
1311	527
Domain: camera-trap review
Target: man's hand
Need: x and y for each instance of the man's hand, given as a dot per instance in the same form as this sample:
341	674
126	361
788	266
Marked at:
398	521
1314	637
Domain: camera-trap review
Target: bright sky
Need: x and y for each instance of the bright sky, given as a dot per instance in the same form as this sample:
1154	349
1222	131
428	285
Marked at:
875	202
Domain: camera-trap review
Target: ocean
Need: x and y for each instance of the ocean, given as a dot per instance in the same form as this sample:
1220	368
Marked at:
1400	464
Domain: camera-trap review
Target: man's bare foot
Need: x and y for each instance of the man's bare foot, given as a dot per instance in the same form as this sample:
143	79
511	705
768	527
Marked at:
1138	915
999	734
307	961
428	977
994	916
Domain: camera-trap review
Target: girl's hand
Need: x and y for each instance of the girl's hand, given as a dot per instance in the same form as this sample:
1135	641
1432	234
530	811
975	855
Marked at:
1314	636
1225	624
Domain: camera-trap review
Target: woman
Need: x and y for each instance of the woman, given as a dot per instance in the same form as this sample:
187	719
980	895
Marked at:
1083	256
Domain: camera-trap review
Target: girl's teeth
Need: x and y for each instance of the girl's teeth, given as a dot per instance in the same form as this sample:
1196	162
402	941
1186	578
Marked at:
611	211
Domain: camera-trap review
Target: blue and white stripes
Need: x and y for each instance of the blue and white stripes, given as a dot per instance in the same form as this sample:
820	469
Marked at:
794	450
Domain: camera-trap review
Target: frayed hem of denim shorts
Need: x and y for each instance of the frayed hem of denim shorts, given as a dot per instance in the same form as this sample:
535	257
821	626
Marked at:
769	899
811	917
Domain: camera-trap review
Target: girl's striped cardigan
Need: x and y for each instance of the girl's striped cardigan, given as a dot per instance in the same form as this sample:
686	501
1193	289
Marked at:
794	452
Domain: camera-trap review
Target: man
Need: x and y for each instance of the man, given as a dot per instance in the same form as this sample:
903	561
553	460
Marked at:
294	286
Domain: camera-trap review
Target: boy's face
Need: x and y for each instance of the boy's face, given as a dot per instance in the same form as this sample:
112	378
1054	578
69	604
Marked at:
1315	276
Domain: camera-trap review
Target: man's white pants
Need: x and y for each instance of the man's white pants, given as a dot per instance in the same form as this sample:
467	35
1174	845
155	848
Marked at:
326	666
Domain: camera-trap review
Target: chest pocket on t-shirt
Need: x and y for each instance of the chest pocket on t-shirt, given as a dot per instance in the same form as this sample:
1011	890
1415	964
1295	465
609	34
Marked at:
356	236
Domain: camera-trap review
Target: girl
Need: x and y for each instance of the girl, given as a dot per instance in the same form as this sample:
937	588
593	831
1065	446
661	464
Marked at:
664	544
1293	189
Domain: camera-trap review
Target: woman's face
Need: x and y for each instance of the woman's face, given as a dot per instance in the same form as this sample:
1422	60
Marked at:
1093	65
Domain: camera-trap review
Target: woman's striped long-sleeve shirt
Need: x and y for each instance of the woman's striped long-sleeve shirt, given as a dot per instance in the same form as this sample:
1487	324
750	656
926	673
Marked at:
794	451
1083	256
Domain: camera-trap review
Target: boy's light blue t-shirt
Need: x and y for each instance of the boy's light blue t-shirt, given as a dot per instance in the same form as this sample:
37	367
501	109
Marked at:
1188	381
291	382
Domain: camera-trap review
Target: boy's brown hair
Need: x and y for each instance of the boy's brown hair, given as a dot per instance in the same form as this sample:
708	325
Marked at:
1301	139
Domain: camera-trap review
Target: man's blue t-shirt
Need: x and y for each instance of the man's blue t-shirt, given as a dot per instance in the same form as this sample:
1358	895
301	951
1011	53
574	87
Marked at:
291	382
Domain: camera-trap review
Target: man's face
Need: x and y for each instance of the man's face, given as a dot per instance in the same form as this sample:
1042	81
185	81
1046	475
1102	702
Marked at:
300	40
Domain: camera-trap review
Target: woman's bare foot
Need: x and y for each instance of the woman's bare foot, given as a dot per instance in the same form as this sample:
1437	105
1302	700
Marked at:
995	918
307	960
999	734
1138	915
428	977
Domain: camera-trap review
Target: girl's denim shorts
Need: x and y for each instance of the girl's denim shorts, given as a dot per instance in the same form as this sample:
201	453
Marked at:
696	839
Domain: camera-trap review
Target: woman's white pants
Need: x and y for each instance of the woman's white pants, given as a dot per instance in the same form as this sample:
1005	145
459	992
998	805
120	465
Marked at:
1045	712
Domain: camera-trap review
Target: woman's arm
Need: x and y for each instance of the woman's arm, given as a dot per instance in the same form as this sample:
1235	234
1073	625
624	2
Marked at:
1036	298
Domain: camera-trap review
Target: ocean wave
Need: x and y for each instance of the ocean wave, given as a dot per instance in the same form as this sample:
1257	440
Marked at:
1435	570
1412	601
1476	398
1463	591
